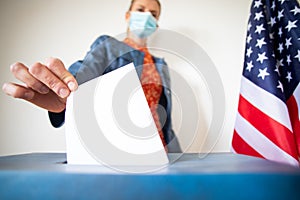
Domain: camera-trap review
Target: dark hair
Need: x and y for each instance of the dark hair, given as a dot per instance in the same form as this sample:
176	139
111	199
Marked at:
132	2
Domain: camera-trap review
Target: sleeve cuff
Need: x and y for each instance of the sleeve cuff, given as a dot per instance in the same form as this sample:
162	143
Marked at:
57	119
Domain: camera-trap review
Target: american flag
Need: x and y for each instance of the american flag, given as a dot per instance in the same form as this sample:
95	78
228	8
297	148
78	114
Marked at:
267	123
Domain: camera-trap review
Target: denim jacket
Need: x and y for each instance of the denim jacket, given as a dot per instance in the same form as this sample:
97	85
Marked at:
107	54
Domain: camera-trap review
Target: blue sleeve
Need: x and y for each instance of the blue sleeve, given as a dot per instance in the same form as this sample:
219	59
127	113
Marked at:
57	119
90	57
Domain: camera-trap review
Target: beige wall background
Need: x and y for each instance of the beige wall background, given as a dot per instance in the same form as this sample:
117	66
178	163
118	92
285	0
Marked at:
32	30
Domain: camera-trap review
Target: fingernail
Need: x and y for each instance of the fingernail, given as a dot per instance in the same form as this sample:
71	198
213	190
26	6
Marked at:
71	86
44	90
28	95
63	92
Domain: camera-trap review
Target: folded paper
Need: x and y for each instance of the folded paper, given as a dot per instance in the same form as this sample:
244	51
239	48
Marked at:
108	122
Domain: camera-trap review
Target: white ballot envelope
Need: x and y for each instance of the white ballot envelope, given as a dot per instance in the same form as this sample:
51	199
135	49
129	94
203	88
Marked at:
108	122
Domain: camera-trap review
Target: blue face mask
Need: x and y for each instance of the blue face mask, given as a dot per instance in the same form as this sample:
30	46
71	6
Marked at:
142	24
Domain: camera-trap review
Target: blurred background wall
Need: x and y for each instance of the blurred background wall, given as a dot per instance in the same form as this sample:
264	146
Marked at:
33	30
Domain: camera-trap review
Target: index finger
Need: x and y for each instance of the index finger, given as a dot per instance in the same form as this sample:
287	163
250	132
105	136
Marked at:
58	68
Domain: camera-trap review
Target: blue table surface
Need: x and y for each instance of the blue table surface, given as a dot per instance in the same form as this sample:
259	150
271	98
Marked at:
192	176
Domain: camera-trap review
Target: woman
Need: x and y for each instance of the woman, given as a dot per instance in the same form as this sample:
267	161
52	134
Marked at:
49	85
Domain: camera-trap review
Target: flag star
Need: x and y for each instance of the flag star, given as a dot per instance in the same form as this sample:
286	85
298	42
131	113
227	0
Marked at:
279	63
280	86
280	48
273	21
282	1
262	57
259	29
288	59
257	4
260	42
249	38
280	31
249	66
273	5
249	52
277	70
291	25
258	16
288	42
298	55
271	36
263	73
296	10
280	14
249	26
289	76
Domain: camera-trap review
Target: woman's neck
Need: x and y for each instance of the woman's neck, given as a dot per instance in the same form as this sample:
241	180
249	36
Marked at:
140	42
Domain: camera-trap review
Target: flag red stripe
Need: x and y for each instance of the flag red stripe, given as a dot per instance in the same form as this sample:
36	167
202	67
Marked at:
294	116
242	147
274	131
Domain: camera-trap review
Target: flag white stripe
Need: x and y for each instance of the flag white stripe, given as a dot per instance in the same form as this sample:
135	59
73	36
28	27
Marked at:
266	102
297	97
261	143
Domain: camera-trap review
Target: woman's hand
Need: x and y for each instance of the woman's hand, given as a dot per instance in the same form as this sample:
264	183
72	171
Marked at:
46	86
